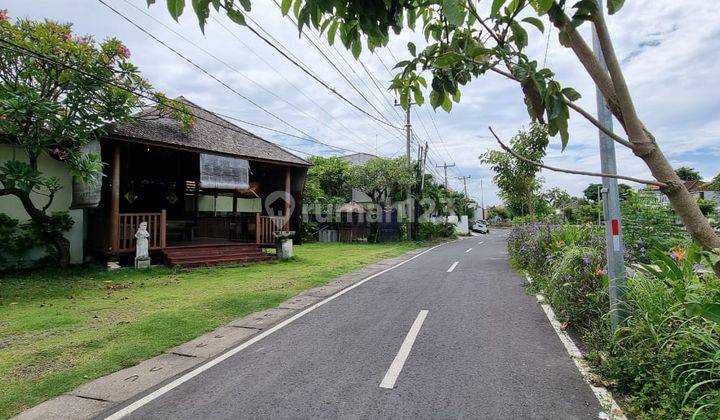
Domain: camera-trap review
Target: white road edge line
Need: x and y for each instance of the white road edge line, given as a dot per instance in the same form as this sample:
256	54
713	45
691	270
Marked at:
233	351
470	249
397	364
452	267
601	393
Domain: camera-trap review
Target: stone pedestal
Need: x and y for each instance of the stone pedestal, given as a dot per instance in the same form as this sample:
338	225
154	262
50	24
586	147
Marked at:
284	244
142	262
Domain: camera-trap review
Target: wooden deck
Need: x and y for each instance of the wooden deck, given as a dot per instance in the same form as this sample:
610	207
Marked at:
213	254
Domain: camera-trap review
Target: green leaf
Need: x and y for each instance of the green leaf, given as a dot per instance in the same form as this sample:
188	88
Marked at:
436	99
520	35
541	6
614	6
512	7
454	11
535	22
412	49
356	48
285	6
175	7
202	11
246	5
571	94
236	16
331	32
456	96
418	95
709	311
216	5
447	103
447	60
495	9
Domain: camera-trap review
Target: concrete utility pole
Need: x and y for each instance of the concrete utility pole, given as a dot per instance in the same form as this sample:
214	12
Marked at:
422	159
445	166
482	200
464	180
611	204
408	141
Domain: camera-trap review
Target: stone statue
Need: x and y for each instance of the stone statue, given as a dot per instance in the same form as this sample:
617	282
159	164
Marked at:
142	255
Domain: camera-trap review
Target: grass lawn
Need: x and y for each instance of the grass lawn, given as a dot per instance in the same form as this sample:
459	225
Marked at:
61	328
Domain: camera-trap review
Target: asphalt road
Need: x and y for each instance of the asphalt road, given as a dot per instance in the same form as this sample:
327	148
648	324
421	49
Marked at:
483	350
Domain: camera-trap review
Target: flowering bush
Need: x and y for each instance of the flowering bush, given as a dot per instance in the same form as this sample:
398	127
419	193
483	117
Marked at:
665	358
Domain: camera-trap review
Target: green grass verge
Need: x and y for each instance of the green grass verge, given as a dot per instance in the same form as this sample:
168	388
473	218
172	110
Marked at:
61	328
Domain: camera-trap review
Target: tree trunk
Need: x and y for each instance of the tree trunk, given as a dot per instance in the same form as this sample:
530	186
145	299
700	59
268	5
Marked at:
612	83
62	249
59	243
680	198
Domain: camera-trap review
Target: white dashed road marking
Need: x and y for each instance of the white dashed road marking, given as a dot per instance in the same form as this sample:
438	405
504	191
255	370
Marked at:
399	361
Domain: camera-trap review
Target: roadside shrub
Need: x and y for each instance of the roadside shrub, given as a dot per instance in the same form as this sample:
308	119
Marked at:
649	224
17	239
530	246
665	359
707	206
429	231
577	289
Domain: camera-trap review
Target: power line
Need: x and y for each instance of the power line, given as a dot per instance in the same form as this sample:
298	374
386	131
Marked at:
309	137
316	78
298	62
180	108
440	139
197	66
289	82
234	69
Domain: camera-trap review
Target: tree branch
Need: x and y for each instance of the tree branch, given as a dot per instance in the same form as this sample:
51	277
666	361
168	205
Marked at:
572	171
580	111
591	62
598	124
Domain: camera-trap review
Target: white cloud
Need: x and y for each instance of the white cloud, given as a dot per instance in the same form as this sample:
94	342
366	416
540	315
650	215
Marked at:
671	64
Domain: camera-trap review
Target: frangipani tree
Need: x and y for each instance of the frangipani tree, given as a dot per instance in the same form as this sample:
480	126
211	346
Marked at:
466	41
58	90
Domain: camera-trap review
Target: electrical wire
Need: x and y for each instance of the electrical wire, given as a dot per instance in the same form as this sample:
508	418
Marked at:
24	50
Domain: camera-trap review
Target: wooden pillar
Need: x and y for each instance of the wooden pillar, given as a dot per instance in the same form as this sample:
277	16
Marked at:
163	228
288	197
115	202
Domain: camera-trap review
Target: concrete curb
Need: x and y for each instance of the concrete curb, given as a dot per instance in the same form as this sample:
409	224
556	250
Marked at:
100	395
607	401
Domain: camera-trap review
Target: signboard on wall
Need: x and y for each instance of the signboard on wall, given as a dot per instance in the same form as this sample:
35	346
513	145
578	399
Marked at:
224	172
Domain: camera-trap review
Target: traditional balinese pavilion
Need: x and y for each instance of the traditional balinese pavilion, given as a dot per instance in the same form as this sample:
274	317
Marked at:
213	194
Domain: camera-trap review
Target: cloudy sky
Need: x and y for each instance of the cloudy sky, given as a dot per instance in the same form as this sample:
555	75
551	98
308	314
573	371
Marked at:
669	51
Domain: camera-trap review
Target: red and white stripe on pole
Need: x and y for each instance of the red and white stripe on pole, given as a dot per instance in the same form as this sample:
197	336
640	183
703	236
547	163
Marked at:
615	226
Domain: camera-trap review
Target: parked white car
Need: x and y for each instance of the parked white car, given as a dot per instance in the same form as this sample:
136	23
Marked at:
480	226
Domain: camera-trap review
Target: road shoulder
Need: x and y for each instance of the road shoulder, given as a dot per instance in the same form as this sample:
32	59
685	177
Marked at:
103	394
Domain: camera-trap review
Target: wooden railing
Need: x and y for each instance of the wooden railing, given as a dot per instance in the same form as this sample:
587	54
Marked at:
265	226
129	222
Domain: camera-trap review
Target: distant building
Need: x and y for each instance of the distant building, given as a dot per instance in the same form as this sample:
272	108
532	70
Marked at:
699	189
